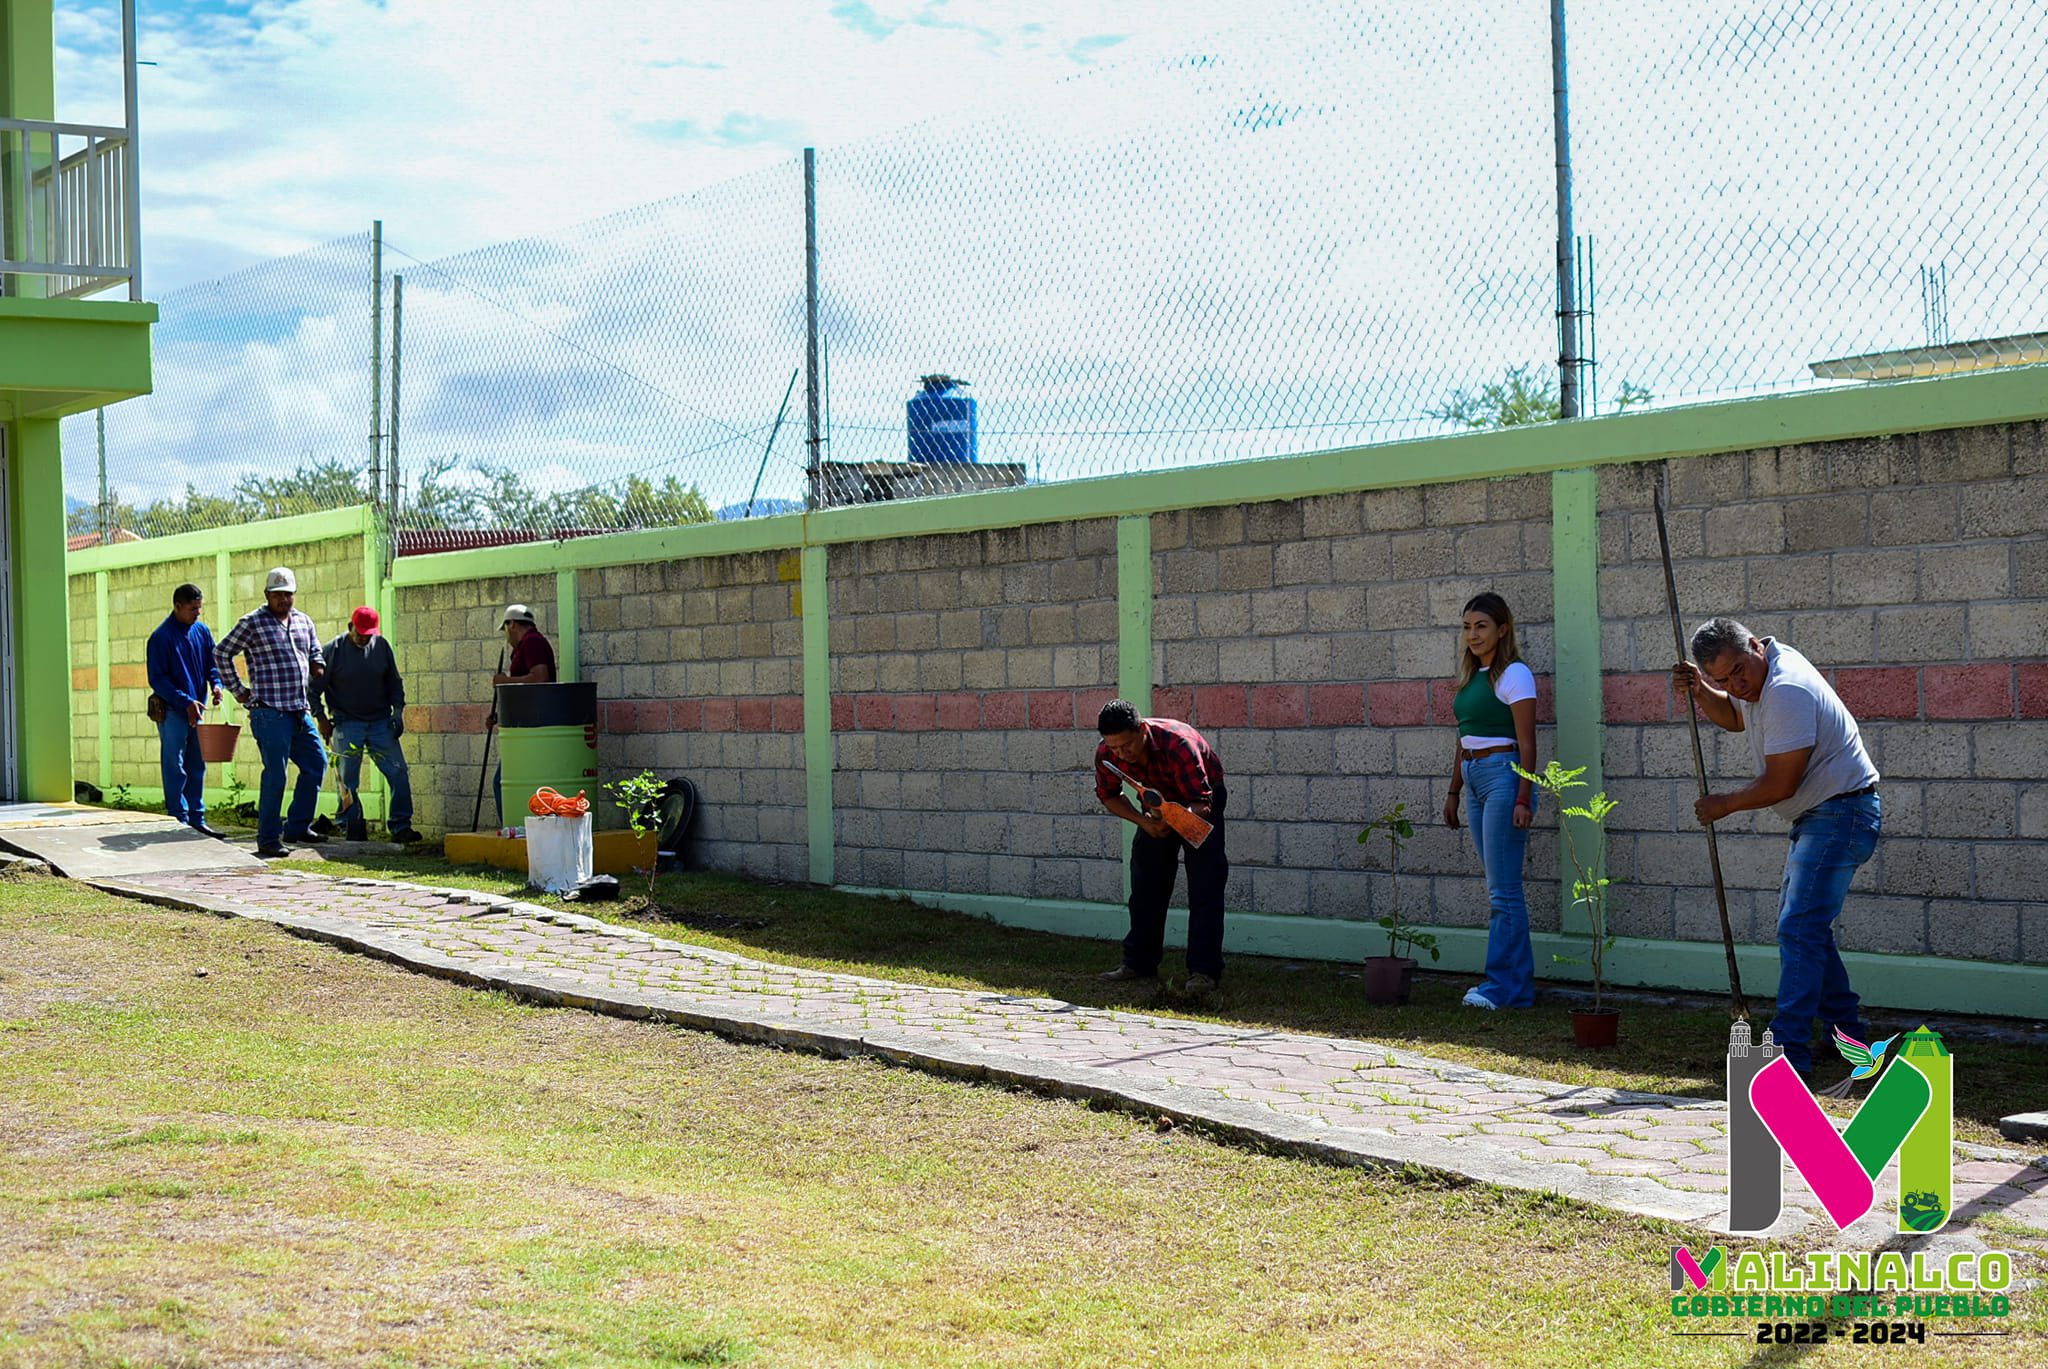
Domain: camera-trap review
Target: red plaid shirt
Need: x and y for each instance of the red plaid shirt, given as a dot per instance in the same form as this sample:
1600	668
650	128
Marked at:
1177	762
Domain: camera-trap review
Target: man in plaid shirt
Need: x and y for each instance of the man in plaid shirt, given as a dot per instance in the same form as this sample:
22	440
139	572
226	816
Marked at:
1170	760
284	658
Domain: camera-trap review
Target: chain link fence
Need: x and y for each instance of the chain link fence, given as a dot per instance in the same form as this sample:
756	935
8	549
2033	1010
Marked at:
1334	226
1767	187
261	407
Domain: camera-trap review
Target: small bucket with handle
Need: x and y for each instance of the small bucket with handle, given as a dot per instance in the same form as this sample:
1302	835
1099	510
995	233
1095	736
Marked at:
217	741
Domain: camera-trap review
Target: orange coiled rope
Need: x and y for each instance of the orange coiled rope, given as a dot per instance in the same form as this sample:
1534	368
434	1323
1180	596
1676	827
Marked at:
548	803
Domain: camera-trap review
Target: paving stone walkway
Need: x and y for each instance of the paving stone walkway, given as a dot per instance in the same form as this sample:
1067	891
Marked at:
1346	1100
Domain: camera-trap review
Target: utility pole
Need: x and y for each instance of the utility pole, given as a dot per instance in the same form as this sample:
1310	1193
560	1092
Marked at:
1567	286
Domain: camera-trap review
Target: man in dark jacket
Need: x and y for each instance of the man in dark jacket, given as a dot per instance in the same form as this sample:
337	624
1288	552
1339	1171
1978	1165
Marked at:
181	673
366	696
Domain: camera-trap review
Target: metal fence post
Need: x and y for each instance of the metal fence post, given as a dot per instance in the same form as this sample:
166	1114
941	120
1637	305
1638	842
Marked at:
813	467
376	359
106	500
397	357
1567	290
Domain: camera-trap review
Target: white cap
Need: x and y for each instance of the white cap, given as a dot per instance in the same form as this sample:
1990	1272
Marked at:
280	578
517	613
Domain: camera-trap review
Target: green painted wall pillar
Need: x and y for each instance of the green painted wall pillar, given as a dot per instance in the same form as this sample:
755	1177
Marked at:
1134	611
568	627
818	758
42	612
28	60
28	90
1133	624
103	676
1575	593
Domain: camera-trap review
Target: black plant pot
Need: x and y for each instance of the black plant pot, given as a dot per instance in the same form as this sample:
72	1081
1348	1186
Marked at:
1388	978
1596	1028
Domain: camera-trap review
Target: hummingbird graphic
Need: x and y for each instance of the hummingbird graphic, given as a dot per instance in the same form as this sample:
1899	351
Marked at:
1866	1060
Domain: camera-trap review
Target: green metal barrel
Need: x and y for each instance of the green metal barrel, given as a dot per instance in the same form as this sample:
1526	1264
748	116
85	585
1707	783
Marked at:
547	738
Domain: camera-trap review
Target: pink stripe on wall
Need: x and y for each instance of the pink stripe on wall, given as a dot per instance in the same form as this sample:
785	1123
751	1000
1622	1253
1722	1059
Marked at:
1873	693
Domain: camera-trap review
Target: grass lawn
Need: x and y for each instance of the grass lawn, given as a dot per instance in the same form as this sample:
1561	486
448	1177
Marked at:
221	1145
1674	1045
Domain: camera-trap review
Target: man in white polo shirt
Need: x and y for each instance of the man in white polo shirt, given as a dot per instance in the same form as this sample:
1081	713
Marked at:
1813	771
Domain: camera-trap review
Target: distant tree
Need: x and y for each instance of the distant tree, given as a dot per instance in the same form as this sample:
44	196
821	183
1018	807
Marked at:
506	501
193	510
326	484
434	504
86	518
648	505
503	500
1518	398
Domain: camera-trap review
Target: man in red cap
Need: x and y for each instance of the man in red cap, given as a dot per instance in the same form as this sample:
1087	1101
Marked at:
366	696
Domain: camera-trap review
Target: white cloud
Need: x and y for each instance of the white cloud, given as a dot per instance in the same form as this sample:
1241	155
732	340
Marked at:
272	125
1300	235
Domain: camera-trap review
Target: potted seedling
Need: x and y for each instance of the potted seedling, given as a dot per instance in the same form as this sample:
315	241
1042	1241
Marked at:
338	756
239	802
1390	977
1598	1025
640	797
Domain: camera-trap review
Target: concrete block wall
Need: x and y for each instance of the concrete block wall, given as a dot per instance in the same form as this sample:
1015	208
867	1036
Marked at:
1913	570
700	667
137	601
85	703
330	576
1313	642
447	640
967	671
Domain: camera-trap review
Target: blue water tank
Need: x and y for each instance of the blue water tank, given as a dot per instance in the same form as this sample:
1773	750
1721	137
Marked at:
941	421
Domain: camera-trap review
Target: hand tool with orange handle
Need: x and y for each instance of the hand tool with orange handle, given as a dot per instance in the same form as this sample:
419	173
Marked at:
1189	828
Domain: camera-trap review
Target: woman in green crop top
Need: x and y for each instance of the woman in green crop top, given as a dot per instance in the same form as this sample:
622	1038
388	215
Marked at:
1496	711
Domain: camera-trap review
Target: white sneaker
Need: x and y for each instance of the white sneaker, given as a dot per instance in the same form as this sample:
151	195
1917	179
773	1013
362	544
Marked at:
1476	999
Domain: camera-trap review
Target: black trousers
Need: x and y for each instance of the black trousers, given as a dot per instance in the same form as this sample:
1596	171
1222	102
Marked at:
1155	863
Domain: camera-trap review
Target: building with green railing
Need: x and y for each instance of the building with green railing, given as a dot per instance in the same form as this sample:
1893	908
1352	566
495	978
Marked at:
69	244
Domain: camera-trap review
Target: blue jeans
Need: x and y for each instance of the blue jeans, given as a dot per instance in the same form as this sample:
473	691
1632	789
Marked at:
352	739
1491	784
183	769
283	737
1828	842
1155	864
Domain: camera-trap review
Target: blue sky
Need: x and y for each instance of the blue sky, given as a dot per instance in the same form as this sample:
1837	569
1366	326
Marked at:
1152	234
271	125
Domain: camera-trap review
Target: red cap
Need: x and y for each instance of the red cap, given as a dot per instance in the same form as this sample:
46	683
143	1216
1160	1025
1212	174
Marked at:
364	620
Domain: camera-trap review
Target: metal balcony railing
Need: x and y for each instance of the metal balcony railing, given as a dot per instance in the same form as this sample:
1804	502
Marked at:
69	202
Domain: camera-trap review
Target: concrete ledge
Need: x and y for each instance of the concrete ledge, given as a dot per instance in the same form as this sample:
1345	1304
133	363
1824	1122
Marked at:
611	853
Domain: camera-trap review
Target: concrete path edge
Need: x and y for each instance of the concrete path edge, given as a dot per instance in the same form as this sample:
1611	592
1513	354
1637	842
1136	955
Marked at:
1233	1122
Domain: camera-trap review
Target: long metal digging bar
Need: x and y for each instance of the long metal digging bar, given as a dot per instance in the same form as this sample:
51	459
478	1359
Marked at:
483	770
1738	1006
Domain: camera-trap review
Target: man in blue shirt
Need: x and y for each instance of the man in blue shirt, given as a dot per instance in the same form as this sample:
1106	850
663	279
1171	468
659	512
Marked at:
181	672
